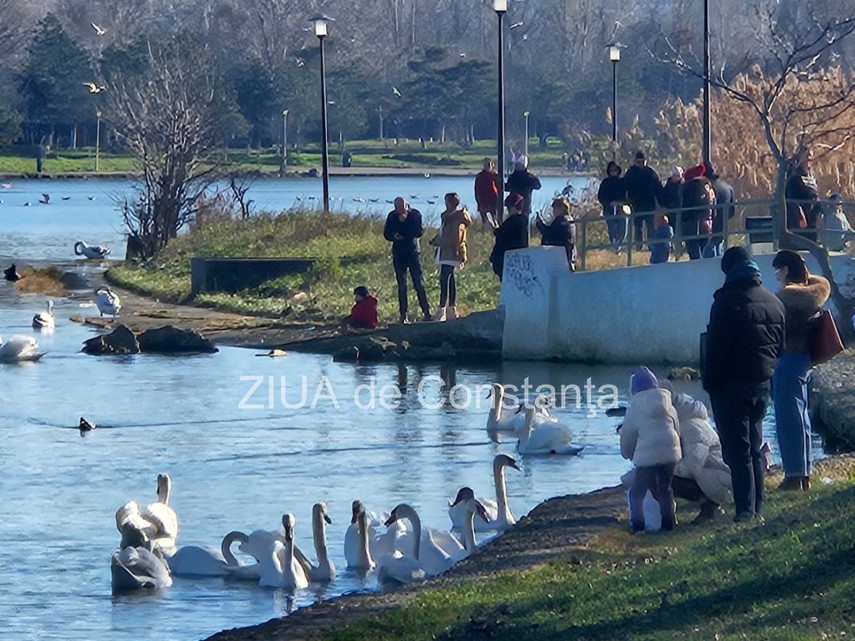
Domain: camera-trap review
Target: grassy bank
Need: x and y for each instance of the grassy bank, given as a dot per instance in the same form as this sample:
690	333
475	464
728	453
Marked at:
351	249
788	579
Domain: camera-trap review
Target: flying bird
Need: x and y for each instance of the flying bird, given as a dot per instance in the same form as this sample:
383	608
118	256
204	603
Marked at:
396	92
99	30
93	88
516	24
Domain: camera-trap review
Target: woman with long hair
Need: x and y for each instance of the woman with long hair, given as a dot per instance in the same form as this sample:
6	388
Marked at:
450	253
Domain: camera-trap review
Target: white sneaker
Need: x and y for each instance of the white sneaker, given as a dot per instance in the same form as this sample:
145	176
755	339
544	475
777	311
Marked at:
440	314
452	312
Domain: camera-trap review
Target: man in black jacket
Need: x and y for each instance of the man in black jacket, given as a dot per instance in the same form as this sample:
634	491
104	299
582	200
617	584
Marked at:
744	337
403	229
522	182
643	188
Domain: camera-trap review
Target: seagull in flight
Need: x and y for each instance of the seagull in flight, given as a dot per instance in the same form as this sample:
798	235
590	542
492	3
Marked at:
93	88
516	24
396	92
99	30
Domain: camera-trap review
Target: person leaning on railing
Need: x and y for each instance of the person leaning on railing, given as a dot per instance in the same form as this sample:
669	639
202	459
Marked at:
724	210
611	196
802	195
560	231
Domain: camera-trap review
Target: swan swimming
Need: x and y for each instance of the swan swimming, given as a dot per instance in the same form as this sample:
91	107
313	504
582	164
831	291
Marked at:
279	567
385	543
45	319
134	566
547	438
436	551
18	349
85	426
90	251
107	301
500	515
361	558
324	571
510	419
194	560
157	521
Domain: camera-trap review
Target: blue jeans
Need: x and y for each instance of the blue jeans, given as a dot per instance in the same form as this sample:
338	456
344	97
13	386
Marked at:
792	421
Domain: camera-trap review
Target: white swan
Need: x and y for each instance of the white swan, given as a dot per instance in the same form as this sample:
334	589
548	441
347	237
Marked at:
195	560
436	551
134	566
324	571
473	508
90	251
18	349
546	438
45	319
107	301
382	544
157	521
360	558
280	568
503	418
501	517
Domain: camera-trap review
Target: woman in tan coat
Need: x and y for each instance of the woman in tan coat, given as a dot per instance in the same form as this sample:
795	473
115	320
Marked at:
450	253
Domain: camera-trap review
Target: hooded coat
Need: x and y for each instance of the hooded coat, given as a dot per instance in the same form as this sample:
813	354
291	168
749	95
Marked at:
451	242
702	458
800	303
651	431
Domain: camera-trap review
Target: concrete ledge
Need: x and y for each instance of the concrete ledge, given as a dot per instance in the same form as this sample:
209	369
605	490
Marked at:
236	274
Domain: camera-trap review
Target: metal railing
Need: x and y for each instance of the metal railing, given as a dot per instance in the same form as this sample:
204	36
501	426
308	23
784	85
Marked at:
752	223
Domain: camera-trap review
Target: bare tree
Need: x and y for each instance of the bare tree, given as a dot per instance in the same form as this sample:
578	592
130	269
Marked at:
169	118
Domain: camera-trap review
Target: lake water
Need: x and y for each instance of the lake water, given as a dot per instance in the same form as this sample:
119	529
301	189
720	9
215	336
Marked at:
232	467
86	209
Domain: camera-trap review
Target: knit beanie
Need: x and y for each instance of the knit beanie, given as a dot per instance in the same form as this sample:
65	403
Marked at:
642	379
734	256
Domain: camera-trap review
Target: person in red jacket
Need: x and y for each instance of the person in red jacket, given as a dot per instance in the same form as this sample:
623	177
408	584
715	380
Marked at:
487	193
363	314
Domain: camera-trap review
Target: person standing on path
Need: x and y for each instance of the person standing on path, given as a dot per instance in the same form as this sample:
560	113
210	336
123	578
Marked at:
611	196
744	338
559	230
643	189
450	253
724	211
803	295
802	195
522	182
511	234
487	193
403	229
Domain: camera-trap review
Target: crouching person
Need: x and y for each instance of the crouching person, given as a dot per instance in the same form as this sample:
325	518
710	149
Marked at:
702	464
650	437
363	314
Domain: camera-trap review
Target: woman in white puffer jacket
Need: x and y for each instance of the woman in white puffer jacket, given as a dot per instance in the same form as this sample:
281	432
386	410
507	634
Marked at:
702	461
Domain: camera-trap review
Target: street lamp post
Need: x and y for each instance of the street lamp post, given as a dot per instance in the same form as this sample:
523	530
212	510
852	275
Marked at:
706	152
525	146
97	141
283	169
380	112
320	23
501	7
614	56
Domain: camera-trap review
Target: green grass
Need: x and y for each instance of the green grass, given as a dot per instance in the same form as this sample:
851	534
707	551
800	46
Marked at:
351	249
790	579
68	162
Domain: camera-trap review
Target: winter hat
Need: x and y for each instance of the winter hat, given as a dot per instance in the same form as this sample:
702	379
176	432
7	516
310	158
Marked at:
514	200
677	172
734	256
639	155
521	162
642	379
694	172
688	407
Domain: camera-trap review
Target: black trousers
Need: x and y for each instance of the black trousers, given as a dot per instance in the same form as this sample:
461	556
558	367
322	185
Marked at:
643	222
447	286
402	264
657	479
739	420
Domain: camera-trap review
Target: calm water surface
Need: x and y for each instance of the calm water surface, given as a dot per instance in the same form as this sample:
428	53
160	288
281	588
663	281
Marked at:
232	468
90	213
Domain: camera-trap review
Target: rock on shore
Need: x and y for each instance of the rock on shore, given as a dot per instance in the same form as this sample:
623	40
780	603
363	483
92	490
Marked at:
161	340
833	401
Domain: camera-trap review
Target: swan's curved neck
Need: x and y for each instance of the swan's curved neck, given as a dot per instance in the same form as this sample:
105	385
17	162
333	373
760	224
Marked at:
526	429
407	512
164	490
469	528
501	489
496	407
226	546
364	549
319	537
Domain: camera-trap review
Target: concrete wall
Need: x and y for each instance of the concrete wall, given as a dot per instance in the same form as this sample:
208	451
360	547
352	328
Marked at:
643	314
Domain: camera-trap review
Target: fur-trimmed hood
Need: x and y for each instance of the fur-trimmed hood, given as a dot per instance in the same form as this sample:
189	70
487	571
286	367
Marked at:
800	303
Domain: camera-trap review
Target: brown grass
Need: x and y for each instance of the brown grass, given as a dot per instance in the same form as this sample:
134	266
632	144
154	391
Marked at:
46	280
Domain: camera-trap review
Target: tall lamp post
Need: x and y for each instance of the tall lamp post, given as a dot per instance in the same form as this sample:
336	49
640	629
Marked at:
706	152
284	167
614	56
501	7
320	23
525	146
97	140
